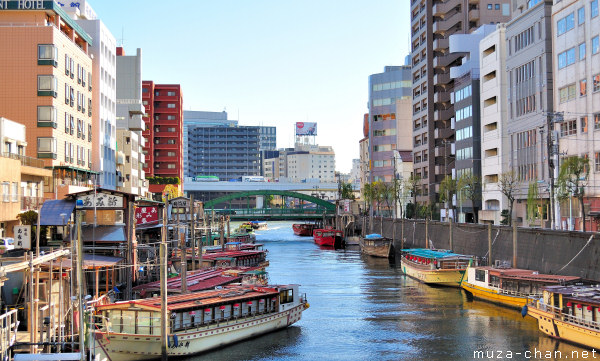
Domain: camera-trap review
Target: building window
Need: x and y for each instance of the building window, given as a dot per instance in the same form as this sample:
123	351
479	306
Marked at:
171	94
89	132
496	6
46	147
171	105
582	87
46	116
47	85
597	162
596	121
489	6
6	191
581	51
47	55
567	93
581	15
566	58
594	8
596	83
595	44
67	65
568	128
565	24
170	166
583	123
15	192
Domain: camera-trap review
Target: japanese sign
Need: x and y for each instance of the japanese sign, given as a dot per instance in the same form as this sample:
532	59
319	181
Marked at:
22	237
145	215
100	200
346	205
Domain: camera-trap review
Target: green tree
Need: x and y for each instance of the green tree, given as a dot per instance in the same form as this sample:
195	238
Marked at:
572	179
346	190
368	195
508	183
447	191
532	203
412	184
471	187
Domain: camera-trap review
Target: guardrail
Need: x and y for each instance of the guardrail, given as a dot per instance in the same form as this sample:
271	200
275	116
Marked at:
25	160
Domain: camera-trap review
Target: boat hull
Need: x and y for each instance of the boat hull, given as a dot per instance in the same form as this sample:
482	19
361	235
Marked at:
122	347
325	241
441	277
381	250
493	296
303	230
552	326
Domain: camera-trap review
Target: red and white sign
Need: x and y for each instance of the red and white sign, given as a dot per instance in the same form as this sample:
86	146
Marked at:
144	215
306	128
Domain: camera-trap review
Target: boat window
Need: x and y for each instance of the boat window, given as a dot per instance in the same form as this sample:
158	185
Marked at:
114	317
128	324
144	322
480	275
495	281
286	296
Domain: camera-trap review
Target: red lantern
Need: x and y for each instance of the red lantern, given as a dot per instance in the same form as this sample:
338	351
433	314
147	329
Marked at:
569	304
192	313
207	310
249	303
237	305
579	306
589	308
222	308
262	300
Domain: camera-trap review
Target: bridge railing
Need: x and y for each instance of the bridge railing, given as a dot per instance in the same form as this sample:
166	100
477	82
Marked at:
268	211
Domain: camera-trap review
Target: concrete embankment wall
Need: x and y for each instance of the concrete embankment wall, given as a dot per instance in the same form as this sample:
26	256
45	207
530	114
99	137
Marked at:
537	249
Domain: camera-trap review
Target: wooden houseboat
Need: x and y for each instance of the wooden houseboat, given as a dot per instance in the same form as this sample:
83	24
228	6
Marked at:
570	313
199	321
375	245
436	267
509	286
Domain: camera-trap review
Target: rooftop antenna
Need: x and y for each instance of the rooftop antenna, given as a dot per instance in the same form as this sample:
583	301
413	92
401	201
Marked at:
122	40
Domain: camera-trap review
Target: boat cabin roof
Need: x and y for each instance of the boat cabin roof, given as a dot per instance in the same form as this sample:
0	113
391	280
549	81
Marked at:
198	280
581	293
231	254
433	254
196	300
527	275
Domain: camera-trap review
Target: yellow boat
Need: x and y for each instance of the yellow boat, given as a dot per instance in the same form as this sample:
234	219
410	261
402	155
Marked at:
436	267
570	313
509	286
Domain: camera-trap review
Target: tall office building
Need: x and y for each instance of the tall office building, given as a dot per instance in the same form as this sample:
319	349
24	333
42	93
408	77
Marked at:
163	132
432	23
467	119
530	101
387	91
217	146
103	50
576	68
131	177
494	138
47	85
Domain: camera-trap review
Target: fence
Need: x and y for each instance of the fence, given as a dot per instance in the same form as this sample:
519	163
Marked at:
544	250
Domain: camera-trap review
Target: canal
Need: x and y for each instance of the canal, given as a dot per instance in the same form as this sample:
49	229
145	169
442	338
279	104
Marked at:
362	308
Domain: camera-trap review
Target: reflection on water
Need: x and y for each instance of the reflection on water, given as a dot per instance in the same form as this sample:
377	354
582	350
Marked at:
364	308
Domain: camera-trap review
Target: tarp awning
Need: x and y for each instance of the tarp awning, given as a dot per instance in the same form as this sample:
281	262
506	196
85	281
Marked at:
114	234
51	212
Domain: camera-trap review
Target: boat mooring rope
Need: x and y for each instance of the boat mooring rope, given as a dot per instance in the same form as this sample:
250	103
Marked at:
494	241
578	253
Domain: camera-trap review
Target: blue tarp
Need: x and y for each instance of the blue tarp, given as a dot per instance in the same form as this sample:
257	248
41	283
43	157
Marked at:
51	212
103	234
433	254
373	235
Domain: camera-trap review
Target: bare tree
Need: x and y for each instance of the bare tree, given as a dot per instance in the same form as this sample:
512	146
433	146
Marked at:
508	183
447	191
471	186
573	177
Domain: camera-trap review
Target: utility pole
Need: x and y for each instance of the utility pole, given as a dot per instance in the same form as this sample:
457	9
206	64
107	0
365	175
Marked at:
551	118
193	231
80	289
163	287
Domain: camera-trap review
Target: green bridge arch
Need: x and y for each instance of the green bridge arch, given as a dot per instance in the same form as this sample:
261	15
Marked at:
264	192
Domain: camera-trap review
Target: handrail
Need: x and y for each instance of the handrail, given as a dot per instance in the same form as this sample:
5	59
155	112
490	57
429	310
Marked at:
25	160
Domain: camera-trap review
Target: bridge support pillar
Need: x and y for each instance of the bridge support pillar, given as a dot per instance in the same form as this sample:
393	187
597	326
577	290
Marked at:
260	201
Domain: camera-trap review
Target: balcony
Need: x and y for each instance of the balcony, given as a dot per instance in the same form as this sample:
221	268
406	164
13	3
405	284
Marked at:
445	10
31	203
442	133
441	78
443	150
444	113
474	14
442	98
448	60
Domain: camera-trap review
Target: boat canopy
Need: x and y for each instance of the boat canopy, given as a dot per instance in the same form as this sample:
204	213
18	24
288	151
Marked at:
432	254
373	235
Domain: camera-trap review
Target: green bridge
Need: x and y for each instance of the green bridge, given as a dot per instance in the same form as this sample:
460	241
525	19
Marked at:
320	209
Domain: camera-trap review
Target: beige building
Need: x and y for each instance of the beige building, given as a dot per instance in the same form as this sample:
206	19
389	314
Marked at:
576	67
494	138
47	86
22	186
271	169
307	162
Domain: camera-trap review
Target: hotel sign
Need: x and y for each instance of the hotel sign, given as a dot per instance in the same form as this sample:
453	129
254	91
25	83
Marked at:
99	200
26	5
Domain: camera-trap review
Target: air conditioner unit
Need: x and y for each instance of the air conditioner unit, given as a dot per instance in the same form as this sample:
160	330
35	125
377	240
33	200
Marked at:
119	217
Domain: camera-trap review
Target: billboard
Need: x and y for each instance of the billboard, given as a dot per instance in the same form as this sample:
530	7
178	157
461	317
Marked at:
306	128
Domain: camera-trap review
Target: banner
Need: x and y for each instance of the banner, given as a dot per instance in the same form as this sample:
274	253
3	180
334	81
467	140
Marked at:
305	128
145	215
22	237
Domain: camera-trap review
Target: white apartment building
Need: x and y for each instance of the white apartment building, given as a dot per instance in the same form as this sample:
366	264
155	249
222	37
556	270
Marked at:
103	51
494	138
307	162
576	67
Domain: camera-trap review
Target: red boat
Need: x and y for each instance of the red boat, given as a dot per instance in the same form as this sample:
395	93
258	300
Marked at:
303	229
328	237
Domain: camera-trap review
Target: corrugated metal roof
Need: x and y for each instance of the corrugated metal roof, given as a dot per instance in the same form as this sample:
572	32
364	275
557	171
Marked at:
196	281
51	212
197	300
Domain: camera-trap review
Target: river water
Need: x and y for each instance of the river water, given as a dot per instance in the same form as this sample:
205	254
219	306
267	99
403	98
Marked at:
363	308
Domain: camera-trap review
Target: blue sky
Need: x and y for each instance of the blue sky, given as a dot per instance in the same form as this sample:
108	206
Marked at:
273	62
